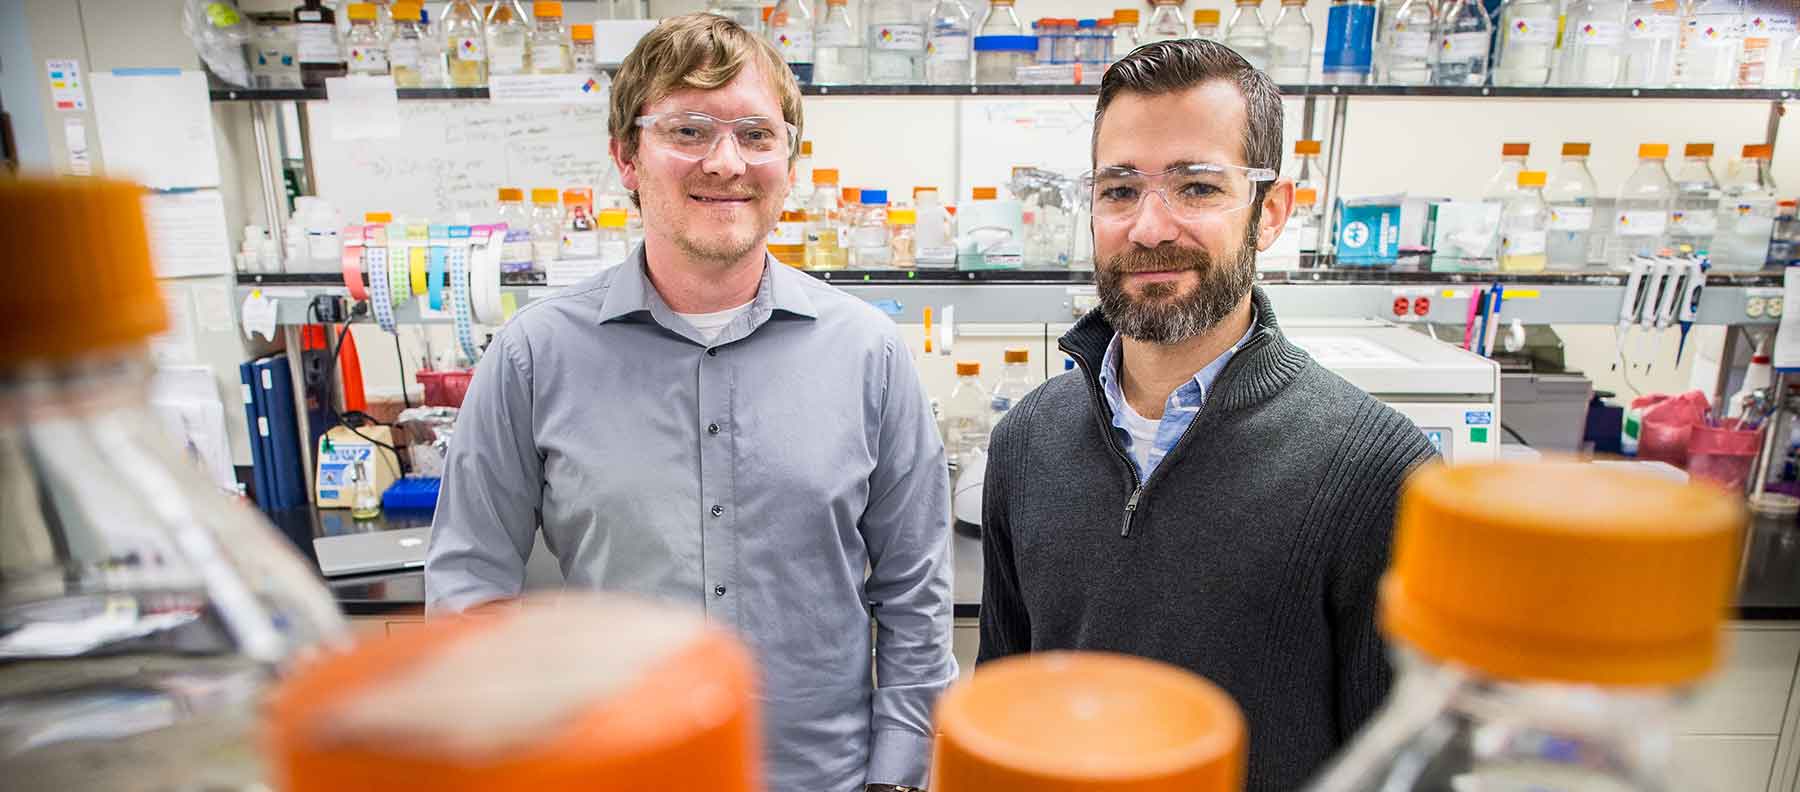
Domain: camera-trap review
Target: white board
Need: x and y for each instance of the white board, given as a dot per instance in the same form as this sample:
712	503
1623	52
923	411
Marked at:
452	156
1055	134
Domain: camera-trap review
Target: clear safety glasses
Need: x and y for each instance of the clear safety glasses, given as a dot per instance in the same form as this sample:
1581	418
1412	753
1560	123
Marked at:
1194	191
693	136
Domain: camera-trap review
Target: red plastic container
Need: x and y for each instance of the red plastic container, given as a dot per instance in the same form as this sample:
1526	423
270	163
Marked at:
445	388
1723	455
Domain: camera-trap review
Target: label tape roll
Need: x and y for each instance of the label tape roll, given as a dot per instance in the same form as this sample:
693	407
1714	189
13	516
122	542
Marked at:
353	262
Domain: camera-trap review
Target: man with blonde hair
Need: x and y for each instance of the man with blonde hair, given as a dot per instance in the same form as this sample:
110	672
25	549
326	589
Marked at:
704	425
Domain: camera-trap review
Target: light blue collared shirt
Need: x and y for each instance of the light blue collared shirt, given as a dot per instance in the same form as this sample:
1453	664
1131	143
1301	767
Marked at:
784	478
1178	411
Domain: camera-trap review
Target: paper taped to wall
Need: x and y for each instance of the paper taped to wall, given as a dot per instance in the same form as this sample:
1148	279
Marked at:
156	127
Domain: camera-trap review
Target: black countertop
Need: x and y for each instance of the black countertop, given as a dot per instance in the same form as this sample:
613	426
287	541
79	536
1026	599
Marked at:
1770	588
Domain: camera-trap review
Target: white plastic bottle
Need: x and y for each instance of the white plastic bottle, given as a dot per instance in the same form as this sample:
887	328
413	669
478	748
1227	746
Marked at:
839	57
1550	642
1404	56
966	415
1290	45
1641	215
1746	214
1593	44
1695	216
1711	36
548	49
1572	244
1652	33
1527	43
1524	227
546	228
791	31
934	234
1015	382
1757	376
1462	44
1249	35
508	28
948	52
896	43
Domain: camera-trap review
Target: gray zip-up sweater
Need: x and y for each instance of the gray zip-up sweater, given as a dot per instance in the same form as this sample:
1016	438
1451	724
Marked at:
1251	555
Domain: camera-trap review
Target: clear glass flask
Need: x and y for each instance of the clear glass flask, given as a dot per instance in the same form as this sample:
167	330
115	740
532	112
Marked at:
1527	43
1593	44
1462	44
1405	55
1572	194
1290	45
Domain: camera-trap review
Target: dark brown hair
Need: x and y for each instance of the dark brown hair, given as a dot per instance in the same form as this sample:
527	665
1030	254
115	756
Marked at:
1167	67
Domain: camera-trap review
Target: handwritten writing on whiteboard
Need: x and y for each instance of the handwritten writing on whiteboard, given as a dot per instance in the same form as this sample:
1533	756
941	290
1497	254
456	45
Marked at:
453	157
1054	134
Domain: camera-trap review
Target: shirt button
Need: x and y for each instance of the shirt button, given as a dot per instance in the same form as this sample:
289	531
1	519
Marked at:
714	352
712	428
718	511
718	591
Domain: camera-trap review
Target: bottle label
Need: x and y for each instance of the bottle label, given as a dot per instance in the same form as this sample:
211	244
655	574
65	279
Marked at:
794	43
947	46
318	43
404	53
1641	223
903	38
1531	30
1769	25
834	36
506	59
1349	38
1595	33
368	59
1693	222
1571	218
470	48
1652	27
1713	30
308	16
1524	243
1464	46
580	244
788	234
1000	404
1412	43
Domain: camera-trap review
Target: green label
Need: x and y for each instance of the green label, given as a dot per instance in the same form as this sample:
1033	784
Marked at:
1478	434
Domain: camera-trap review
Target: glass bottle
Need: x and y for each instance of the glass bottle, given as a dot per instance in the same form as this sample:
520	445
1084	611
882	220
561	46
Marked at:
547	49
1462	44
546	228
1784	246
614	242
433	69
896	44
1652	34
824	248
1248	34
791	31
1571	194
465	44
406	51
1349	42
839	58
147	609
1527	43
1550	644
1641	216
966	421
1710	38
315	28
581	49
1505	181
1125	32
1100	43
365	45
1290	45
1406	53
902	240
1308	173
1015	382
1001	20
948	51
508	32
869	233
1695	216
1593	42
1206	24
1524	226
580	234
1746	214
1166	23
515	247
365	503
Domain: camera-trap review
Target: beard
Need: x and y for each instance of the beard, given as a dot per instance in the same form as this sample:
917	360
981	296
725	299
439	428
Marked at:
702	238
1161	313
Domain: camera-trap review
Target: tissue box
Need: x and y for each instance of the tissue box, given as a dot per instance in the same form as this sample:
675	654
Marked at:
1463	232
1368	233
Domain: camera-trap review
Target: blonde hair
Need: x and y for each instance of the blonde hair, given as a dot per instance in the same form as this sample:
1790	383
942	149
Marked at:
701	51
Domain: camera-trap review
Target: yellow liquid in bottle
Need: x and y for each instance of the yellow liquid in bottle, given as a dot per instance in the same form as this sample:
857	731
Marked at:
1527	264
823	252
467	73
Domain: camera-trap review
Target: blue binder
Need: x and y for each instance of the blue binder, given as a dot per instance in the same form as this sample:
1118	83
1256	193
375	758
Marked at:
284	432
259	458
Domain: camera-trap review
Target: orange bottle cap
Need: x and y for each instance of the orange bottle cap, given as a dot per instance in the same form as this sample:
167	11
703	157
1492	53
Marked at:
378	217
543	195
577	195
1697	150
545	9
511	194
1563	572
1306	196
1653	151
1068	721
1532	178
1206	16
825	176
581	32
903	217
805	148
612	218
1515	149
667	705
82	282
850	195
1017	355
1760	151
362	12
1125	16
967	368
1576	149
767	11
1306	147
986	193
917	190
408	10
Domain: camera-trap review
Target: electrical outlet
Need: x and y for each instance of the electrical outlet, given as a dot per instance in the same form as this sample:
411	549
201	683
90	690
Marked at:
1774	307
1755	307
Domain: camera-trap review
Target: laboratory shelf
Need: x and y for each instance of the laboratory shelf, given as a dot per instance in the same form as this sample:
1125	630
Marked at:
1396	91
1060	296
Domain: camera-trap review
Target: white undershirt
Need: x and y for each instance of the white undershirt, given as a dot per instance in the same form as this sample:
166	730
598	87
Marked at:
1142	431
711	325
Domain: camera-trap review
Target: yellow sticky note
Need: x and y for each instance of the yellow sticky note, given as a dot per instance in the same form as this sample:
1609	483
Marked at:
509	305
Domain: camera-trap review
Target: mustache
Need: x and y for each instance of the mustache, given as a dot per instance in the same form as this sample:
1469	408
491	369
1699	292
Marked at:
1163	258
722	190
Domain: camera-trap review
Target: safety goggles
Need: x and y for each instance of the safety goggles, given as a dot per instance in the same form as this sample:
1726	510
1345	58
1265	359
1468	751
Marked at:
1192	191
693	136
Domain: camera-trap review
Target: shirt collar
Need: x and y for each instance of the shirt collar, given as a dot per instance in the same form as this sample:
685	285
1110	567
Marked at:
782	291
1202	382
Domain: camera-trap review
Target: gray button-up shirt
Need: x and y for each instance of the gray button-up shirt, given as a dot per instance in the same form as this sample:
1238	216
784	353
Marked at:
786	479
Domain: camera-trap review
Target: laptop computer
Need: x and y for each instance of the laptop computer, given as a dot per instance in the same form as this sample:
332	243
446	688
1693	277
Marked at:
376	551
